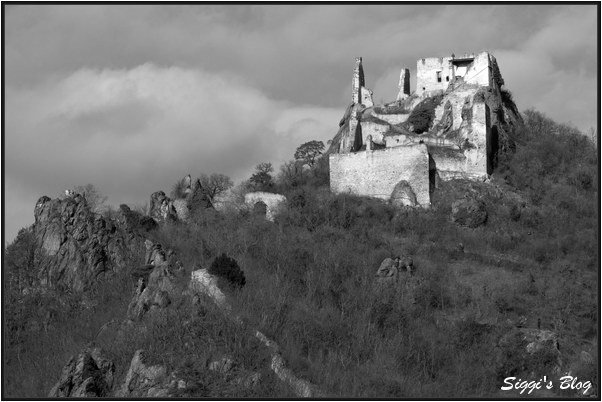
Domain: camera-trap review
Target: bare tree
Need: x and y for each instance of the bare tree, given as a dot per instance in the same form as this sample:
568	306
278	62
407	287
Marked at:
290	172
215	184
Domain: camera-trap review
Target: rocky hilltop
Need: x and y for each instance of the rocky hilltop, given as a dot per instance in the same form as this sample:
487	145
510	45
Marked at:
335	289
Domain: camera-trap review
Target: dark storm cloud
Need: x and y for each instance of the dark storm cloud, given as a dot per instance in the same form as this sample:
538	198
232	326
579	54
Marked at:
130	98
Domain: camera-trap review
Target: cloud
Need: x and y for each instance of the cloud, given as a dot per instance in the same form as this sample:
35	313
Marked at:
134	131
131	97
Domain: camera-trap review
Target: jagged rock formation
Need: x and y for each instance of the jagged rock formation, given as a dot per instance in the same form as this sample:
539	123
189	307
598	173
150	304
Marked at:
75	245
156	288
459	110
163	208
89	375
144	381
134	224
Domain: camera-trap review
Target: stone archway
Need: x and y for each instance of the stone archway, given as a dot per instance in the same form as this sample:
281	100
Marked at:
257	201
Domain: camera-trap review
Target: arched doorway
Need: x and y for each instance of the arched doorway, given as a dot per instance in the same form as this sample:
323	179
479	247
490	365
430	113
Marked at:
260	208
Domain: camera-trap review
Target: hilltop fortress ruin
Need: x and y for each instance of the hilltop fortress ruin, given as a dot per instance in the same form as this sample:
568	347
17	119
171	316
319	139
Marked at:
455	124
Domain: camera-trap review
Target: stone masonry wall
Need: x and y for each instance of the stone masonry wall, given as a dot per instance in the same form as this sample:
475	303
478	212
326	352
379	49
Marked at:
479	72
375	173
426	74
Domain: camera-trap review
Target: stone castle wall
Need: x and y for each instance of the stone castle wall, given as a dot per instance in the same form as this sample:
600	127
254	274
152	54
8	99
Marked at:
375	173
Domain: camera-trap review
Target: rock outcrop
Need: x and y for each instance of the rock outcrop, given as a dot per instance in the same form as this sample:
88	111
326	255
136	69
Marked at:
392	269
75	245
133	223
202	282
145	381
89	375
206	284
163	208
156	286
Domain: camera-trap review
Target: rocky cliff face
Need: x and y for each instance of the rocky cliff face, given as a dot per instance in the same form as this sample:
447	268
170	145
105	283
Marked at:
75	245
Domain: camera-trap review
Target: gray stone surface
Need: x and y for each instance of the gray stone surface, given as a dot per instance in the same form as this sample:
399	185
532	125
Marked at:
89	375
74	245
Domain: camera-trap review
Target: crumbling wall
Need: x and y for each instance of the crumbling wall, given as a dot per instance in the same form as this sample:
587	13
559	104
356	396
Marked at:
479	71
376	130
435	74
352	139
366	97
273	202
376	173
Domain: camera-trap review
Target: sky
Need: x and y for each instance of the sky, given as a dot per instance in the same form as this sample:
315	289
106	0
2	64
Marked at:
131	98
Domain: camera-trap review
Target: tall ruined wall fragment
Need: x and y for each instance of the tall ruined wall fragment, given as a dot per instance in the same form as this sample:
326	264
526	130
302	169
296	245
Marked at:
404	84
358	81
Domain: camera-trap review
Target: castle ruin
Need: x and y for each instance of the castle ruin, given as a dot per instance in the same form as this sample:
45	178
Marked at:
452	126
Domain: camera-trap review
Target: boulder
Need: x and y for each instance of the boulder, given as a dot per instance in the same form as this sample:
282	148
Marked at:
391	268
89	375
387	269
470	212
403	195
203	283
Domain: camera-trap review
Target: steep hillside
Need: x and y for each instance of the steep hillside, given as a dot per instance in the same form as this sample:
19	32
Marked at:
496	279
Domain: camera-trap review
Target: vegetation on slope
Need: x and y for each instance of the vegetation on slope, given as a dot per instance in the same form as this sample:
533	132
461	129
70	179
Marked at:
310	285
